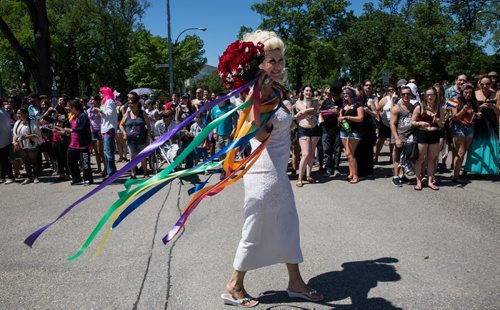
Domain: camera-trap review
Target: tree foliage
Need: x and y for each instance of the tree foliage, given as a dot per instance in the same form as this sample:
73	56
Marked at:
212	82
427	39
94	43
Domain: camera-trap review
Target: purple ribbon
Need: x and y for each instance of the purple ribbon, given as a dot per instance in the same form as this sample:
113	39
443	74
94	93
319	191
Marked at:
30	240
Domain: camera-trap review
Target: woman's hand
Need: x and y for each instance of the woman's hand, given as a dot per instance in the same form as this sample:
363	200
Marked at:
265	84
303	114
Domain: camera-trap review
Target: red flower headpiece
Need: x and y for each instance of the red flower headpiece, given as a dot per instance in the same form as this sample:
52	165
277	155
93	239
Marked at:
240	63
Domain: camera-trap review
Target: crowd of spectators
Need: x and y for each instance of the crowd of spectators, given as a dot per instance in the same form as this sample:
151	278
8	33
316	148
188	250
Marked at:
78	140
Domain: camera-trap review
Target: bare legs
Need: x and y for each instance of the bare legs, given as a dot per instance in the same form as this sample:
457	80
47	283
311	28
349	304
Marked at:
98	151
307	148
428	154
461	145
350	148
144	165
121	146
236	288
378	148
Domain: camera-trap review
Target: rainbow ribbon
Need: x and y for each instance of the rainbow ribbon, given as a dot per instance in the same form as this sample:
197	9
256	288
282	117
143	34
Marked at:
247	128
30	240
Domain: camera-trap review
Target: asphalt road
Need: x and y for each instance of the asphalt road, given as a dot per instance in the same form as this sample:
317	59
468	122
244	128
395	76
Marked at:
366	246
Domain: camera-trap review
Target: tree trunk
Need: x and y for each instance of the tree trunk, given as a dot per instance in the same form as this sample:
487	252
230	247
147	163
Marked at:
38	14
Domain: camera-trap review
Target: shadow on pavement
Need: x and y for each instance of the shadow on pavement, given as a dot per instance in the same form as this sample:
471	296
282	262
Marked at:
355	282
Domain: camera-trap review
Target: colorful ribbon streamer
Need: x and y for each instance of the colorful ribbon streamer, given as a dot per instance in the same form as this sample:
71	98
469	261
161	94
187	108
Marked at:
30	240
253	113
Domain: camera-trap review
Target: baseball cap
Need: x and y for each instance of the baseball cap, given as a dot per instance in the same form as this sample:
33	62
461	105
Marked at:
492	73
185	96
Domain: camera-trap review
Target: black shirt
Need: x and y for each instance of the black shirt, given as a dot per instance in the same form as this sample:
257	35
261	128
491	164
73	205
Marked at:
330	120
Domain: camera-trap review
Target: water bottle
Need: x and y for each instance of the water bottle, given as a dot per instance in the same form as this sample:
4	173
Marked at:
345	125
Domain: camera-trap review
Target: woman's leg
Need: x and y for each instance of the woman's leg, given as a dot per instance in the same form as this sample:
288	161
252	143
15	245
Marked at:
312	145
297	284
304	149
467	143
353	164
133	171
237	290
295	155
419	164
458	155
144	165
346	146
100	156
432	155
378	148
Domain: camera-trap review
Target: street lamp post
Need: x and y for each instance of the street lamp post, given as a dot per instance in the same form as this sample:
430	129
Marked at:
170	67
170	63
194	28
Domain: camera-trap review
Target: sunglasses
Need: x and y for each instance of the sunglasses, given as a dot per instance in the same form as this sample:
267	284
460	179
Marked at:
405	94
368	85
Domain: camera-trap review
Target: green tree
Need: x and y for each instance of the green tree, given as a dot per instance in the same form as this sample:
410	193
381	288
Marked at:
188	59
212	82
36	62
89	42
146	52
300	23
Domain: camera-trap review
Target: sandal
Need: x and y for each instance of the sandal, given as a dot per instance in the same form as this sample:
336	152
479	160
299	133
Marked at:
433	187
309	179
354	181
299	183
247	302
306	295
417	188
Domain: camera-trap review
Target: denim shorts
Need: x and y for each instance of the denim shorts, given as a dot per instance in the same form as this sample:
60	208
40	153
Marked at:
350	135
461	130
135	148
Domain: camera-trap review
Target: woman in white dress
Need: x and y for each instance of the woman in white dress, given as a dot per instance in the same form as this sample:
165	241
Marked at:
270	233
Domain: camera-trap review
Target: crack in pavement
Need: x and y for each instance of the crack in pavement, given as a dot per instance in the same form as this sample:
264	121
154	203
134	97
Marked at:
152	247
169	275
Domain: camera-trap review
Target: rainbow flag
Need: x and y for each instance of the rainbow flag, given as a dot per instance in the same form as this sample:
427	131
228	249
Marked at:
452	102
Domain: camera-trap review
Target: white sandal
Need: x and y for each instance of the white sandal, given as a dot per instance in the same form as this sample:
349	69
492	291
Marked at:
246	302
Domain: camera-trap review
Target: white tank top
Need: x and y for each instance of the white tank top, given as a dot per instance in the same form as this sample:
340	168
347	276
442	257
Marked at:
386	111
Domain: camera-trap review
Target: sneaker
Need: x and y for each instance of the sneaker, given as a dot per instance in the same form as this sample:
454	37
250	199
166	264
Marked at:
9	181
336	173
76	182
87	183
396	181
27	181
36	181
404	179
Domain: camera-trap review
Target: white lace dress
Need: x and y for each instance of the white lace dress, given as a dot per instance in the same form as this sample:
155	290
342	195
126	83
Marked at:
270	233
